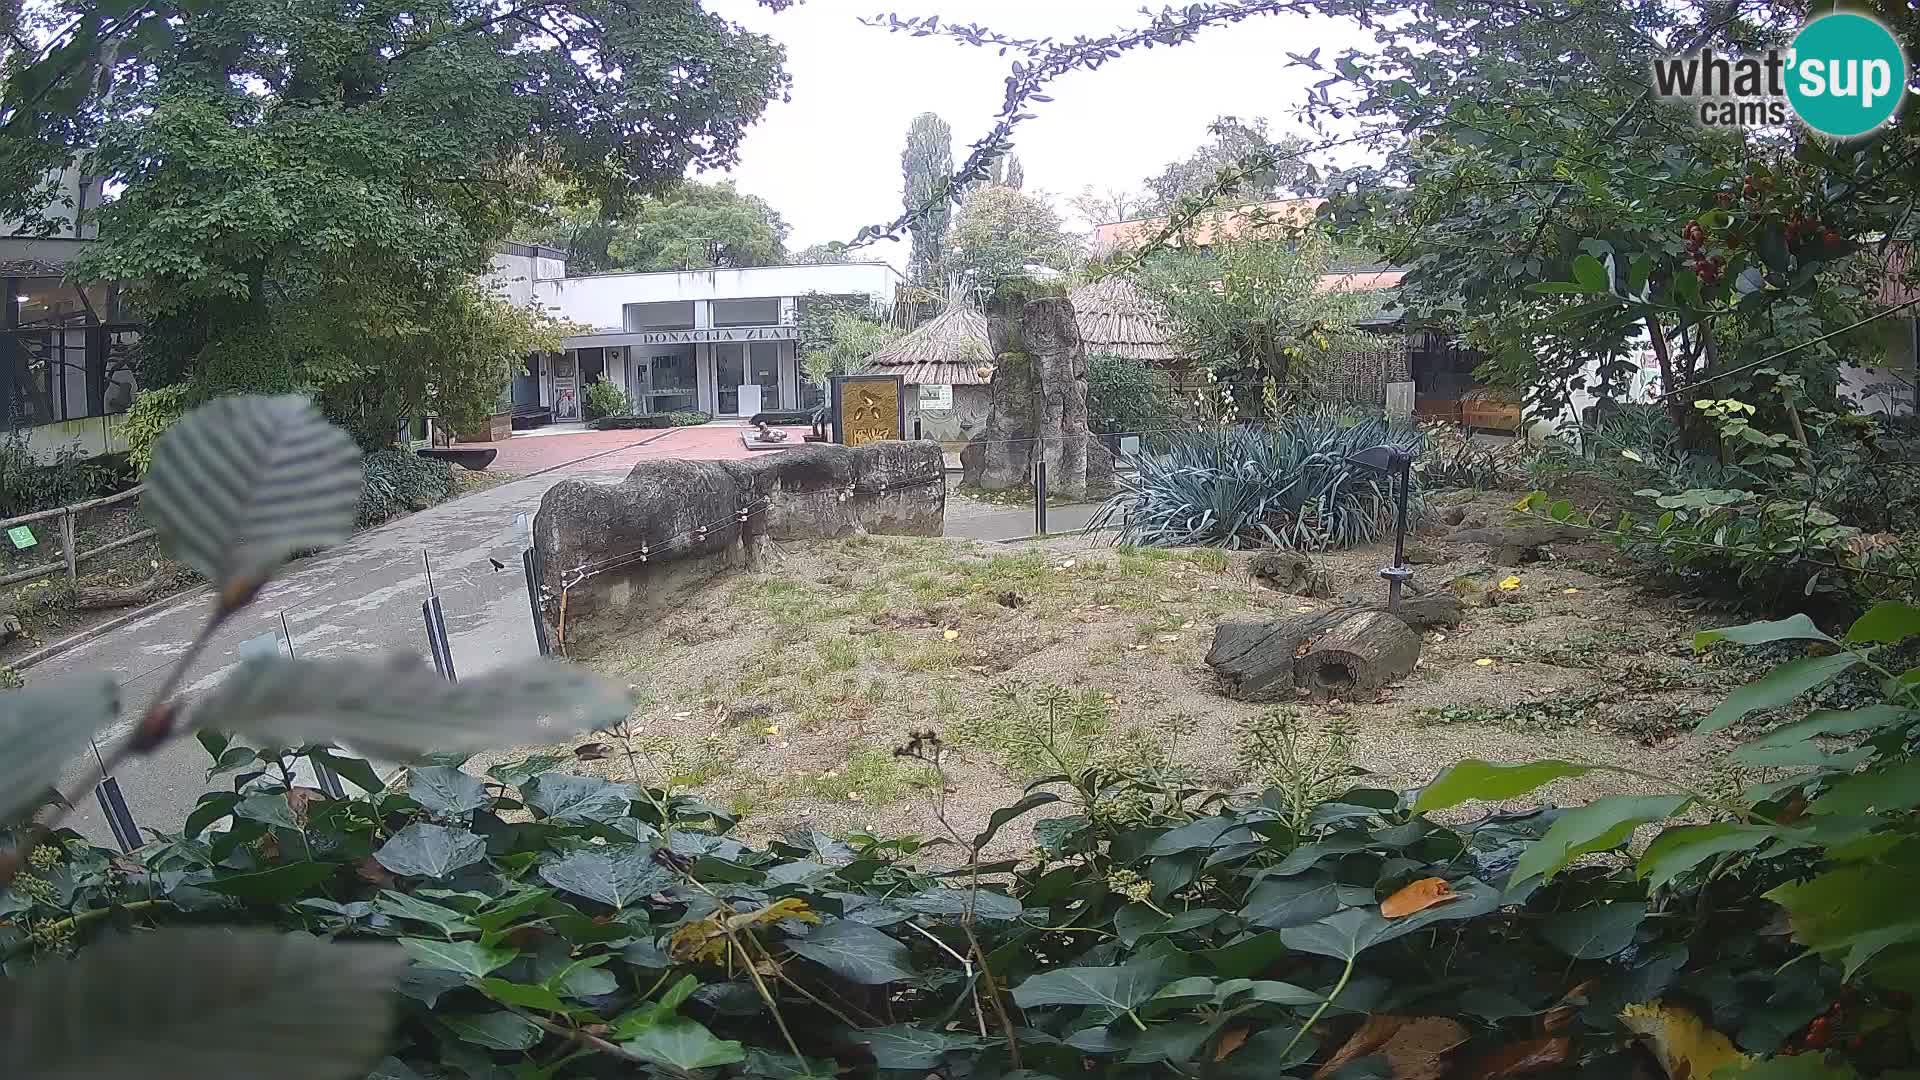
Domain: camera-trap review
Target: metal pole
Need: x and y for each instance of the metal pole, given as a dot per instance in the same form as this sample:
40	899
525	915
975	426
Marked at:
1040	495
1405	468
533	601
66	540
113	806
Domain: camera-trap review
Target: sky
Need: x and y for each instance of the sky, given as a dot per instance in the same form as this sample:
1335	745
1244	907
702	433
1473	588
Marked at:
829	160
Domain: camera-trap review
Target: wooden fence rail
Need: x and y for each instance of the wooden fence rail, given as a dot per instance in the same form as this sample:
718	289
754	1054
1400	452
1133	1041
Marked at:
70	558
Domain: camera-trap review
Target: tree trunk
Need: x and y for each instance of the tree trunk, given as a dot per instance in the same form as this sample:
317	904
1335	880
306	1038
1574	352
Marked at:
1358	655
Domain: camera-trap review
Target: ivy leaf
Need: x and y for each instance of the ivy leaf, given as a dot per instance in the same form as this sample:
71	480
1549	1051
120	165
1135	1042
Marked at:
466	957
1597	932
1282	902
856	952
1205	834
397	707
527	997
1590	273
567	797
398	905
1795	628
289	1006
43	727
276	886
1598	826
392	1068
617	880
1679	849
903	1046
1778	687
1033	800
267	807
211	807
445	792
240	484
984	903
1342	935
1476	779
495	1030
430	851
685	1045
1885	790
1886	622
1114	987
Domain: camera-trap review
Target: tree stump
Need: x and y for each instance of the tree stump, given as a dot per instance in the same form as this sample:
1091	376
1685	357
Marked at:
1360	654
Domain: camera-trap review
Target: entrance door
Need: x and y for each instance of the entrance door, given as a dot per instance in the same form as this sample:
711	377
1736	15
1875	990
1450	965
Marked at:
729	371
566	388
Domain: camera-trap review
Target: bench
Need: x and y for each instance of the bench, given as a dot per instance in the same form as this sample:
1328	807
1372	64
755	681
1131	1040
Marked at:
470	458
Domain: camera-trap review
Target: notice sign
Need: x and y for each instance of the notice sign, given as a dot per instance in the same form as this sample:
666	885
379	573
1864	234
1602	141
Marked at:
22	537
936	398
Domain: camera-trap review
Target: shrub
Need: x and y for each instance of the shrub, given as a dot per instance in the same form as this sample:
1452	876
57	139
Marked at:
148	418
657	420
31	482
1127	396
606	399
400	482
1286	485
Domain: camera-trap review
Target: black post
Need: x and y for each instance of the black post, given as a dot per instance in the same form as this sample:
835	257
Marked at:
533	601
1405	469
437	642
119	818
1040	496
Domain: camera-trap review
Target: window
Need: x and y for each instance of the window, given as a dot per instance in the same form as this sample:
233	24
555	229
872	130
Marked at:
670	315
62	356
763	311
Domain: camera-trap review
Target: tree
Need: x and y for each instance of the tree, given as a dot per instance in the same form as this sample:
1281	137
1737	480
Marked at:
698	226
1000	230
815	254
927	194
312	165
1108	204
1008	172
1234	142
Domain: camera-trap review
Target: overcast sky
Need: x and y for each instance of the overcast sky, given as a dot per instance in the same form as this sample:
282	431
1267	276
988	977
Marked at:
829	160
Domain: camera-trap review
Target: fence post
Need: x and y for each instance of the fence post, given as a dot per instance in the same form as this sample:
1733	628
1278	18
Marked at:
1040	494
66	540
533	601
437	642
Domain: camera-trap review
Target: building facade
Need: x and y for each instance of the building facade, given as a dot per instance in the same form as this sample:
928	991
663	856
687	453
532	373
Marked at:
722	341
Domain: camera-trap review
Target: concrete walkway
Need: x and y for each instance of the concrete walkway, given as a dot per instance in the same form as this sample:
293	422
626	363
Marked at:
365	595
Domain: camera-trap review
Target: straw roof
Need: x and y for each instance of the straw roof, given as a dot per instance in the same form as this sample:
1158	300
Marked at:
950	348
1118	319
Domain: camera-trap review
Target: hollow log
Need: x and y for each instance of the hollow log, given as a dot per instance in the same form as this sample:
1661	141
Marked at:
94	597
1255	660
1359	654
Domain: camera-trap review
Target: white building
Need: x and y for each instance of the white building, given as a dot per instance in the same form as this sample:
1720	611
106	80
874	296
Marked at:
715	341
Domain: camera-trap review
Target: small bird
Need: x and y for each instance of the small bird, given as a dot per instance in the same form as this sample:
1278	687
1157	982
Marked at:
497	564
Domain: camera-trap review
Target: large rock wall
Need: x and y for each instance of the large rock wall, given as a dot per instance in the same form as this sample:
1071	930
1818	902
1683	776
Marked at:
615	554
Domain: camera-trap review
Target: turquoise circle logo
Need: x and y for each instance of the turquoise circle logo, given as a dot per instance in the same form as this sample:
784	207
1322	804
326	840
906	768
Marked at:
1848	75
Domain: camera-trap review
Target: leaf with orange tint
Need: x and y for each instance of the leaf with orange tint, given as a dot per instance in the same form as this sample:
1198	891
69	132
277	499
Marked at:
1418	896
1230	1040
1415	1047
1520	1058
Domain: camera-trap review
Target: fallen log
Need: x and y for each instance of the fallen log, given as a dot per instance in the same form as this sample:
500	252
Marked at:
1427	612
1255	660
1514	544
94	597
1360	654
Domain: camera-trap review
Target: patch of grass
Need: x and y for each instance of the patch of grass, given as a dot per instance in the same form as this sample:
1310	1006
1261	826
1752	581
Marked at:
936	655
1210	559
790	603
692	762
838	653
870	776
1035	730
1545	714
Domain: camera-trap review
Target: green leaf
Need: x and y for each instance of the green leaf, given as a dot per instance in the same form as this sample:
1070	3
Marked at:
1475	779
510	908
430	851
567	797
1778	687
1114	987
465	957
527	997
1597	932
856	952
1296	901
445	792
1203	834
43	727
1591	273
1885	790
983	903
201	1003
1791	1067
275	886
1033	800
1796	628
1136	921
1835	722
392	1068
396	707
357	771
1558	288
902	1046
685	1045
268	807
240	484
618	879
1683	847
1886	622
398	905
1598	826
767	1065
1342	935
212	806
495	1030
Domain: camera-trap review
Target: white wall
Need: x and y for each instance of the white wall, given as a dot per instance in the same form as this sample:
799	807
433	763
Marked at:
599	300
76	194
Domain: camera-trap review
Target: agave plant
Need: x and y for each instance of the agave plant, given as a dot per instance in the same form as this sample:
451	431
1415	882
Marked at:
1285	485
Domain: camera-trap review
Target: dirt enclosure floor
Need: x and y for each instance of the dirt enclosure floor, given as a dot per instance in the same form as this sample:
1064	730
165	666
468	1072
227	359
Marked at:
782	694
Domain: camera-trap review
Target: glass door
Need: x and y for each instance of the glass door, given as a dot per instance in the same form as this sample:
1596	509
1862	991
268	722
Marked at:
566	388
729	371
765	369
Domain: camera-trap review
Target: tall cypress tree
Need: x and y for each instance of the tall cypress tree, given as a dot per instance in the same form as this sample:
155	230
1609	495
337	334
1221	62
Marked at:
926	166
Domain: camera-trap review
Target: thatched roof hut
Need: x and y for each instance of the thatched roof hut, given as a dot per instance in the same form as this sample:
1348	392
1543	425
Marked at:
1117	319
950	348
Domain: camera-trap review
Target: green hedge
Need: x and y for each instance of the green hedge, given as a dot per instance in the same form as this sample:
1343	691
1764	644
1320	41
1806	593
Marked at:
658	420
400	482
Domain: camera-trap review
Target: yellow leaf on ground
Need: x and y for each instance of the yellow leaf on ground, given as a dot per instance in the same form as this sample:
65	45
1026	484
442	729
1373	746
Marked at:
1687	1048
1569	590
1510	584
1417	896
951	634
773	729
1485	661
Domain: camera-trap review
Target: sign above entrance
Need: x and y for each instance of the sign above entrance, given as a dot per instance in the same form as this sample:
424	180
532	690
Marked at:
727	333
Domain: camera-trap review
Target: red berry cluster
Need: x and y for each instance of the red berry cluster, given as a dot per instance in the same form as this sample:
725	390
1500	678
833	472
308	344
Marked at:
1707	268
1824	1031
1802	228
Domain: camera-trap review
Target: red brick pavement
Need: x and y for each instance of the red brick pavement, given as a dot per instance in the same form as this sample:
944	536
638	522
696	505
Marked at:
618	451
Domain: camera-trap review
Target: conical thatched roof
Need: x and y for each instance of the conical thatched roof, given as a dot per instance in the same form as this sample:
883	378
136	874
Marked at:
1118	319
950	348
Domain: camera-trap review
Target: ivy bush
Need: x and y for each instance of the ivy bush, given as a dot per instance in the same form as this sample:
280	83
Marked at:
1127	396
401	482
606	399
655	420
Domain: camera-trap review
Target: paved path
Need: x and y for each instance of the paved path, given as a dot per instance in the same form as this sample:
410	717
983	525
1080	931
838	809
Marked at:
365	596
